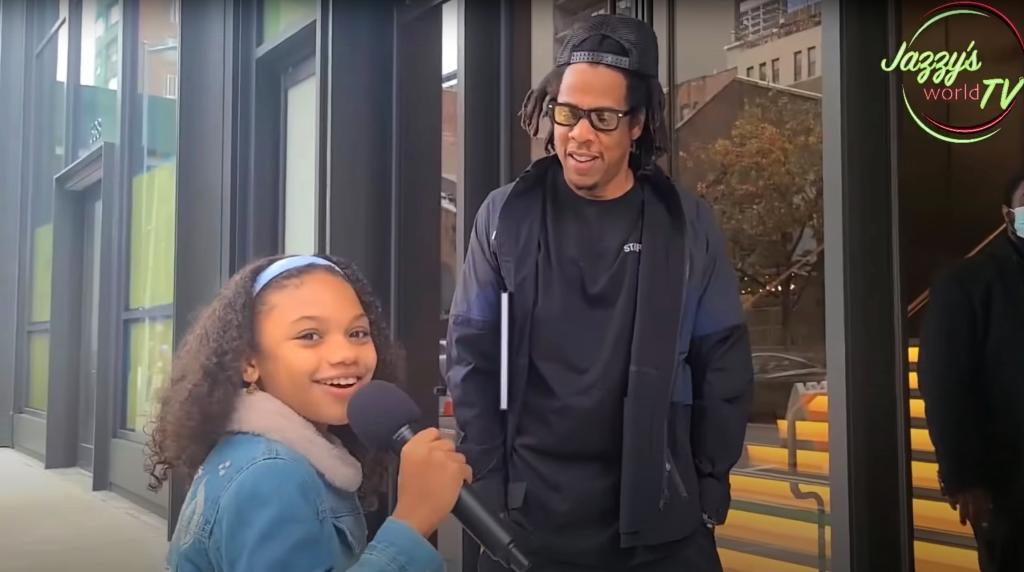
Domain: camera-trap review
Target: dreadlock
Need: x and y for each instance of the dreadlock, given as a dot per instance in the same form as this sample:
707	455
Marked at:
644	95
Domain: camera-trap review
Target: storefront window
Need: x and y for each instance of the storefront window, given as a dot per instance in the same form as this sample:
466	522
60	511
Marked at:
152	213
282	16
960	186
97	117
754	152
48	90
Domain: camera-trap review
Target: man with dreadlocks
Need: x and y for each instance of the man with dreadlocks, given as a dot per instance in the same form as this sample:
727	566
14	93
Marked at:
628	368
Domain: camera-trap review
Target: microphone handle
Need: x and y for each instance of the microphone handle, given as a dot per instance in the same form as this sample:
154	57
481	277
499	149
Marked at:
489	531
475	518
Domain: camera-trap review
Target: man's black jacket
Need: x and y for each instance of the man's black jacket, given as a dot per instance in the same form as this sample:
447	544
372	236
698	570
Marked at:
690	381
971	371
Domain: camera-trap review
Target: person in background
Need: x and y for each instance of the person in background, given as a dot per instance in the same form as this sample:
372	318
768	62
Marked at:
276	474
971	375
629	366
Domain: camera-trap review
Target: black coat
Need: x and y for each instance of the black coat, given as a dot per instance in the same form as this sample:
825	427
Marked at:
971	371
691	377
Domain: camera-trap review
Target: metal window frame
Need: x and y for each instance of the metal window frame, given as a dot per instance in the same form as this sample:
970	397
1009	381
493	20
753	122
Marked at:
127	318
22	381
13	46
19	391
262	73
130	112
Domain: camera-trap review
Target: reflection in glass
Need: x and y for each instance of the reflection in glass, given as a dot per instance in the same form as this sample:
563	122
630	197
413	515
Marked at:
282	16
148	367
42	273
300	190
554	20
625	7
450	157
38	370
97	117
151	263
753	151
152	208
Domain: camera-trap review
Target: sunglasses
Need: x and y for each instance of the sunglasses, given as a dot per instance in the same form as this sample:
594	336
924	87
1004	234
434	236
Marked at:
603	119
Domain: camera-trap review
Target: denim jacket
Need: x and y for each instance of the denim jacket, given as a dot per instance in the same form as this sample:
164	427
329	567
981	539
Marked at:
274	494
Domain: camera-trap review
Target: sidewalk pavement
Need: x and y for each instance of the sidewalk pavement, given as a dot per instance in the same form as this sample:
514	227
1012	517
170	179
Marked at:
51	521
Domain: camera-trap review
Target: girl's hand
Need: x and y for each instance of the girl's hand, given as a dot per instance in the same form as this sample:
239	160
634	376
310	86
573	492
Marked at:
431	474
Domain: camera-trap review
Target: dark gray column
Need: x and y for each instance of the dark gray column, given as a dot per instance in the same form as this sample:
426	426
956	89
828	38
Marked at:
868	447
359	62
483	120
416	275
205	170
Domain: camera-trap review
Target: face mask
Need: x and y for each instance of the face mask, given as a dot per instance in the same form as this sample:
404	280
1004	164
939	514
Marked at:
1018	221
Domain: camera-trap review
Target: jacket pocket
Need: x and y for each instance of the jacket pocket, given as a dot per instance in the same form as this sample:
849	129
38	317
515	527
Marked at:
351	529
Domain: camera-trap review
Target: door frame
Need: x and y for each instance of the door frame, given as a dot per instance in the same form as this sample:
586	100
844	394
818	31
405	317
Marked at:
69	210
92	220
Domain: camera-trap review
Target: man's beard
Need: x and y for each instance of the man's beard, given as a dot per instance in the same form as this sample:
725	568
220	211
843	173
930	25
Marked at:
590	188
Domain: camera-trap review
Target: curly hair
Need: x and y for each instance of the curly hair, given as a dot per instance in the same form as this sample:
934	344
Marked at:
197	404
644	95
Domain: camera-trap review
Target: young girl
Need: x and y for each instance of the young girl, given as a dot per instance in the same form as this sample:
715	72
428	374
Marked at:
260	389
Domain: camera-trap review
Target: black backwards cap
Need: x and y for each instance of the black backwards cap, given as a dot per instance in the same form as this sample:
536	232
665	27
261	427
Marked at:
613	40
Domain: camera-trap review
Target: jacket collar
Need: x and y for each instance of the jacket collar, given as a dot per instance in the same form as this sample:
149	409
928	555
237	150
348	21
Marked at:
263	414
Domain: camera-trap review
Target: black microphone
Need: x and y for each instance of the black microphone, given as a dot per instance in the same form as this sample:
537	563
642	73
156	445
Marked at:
380	414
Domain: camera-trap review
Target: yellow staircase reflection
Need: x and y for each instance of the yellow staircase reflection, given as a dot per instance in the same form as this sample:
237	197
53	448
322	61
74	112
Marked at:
770	528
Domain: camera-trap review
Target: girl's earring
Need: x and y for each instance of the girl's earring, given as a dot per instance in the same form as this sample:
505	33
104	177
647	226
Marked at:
251	388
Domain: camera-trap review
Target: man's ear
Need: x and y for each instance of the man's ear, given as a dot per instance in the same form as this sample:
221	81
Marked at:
1007	214
636	124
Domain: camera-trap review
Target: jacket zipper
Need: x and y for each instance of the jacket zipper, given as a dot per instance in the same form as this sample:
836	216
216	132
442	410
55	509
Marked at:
670	470
677	480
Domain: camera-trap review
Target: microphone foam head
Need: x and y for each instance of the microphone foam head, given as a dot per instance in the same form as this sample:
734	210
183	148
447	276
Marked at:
378	410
